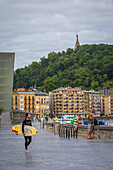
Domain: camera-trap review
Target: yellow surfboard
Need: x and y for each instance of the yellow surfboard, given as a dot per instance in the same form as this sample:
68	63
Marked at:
29	130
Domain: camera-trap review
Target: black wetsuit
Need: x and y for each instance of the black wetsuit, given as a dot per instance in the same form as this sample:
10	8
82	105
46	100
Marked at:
27	138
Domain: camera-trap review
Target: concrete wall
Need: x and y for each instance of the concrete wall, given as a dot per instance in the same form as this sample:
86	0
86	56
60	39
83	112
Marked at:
100	132
52	127
6	83
17	116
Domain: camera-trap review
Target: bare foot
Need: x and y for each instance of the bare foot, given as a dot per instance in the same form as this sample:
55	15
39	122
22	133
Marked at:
26	149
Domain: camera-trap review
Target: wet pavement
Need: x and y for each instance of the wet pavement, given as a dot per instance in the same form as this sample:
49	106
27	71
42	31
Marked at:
49	152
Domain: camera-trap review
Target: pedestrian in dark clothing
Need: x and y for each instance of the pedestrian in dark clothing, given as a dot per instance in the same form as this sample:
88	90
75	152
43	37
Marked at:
28	139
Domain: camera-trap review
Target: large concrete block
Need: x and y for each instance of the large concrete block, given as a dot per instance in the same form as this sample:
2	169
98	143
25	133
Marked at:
5	118
6	84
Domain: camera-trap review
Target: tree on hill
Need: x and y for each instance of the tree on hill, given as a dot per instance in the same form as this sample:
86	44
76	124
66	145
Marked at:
88	67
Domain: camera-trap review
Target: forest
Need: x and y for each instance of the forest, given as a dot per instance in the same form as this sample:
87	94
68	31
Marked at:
88	67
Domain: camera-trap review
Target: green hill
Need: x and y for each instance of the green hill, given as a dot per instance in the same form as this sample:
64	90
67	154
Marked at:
88	67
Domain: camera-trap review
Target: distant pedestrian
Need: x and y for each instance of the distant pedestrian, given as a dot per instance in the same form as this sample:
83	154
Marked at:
46	119
28	139
75	122
90	125
95	122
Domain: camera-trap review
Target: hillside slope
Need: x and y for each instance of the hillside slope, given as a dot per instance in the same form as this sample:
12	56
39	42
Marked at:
89	67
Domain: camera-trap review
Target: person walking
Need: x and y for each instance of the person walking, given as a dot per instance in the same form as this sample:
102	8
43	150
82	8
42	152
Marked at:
28	139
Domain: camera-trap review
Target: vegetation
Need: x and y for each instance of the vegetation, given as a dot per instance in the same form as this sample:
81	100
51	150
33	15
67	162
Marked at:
1	110
88	67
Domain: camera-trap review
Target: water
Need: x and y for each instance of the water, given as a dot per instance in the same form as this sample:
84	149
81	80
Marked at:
49	152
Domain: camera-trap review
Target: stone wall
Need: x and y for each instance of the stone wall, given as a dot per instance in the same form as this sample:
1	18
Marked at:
100	132
17	116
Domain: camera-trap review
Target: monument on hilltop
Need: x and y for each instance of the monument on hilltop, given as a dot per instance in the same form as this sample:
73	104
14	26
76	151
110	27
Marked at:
77	42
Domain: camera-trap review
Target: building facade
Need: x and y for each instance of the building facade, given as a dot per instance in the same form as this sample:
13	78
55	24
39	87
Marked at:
92	102
6	80
88	101
106	101
42	104
68	102
24	100
31	101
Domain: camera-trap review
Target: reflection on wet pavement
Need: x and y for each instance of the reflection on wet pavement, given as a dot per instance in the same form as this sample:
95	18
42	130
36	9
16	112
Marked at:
49	152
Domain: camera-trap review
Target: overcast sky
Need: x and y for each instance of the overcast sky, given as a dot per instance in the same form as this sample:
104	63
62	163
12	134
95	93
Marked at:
33	28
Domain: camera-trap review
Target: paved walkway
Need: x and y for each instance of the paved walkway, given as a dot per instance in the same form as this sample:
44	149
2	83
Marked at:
49	152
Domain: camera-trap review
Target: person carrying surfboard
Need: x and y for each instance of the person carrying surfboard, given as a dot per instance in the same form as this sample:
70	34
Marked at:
28	139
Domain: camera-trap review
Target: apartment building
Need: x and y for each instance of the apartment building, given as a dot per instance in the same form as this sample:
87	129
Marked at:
92	102
31	101
24	100
68	101
88	101
96	104
42	104
106	101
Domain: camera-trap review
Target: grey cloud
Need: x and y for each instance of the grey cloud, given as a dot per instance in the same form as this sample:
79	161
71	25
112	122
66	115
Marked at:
34	28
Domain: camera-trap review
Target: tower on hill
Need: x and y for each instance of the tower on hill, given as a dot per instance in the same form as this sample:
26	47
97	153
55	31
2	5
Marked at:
77	42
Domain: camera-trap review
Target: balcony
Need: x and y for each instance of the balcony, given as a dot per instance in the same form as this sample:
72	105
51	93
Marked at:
65	98
65	101
66	105
65	108
76	98
71	108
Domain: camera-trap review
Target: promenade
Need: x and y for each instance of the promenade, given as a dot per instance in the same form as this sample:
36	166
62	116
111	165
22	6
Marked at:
49	152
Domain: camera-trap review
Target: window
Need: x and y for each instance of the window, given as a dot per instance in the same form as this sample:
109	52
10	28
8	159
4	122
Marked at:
21	106
21	97
76	98
70	111
81	111
65	111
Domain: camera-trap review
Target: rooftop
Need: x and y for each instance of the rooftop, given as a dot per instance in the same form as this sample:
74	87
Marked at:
67	89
